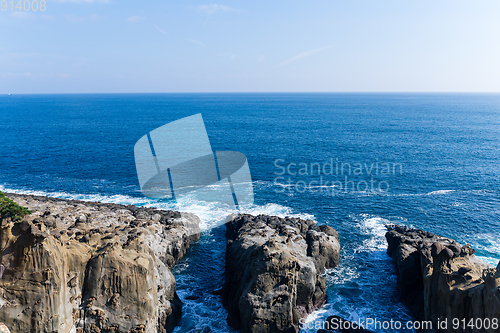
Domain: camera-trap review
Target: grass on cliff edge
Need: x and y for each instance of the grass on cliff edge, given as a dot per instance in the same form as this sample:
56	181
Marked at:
9	208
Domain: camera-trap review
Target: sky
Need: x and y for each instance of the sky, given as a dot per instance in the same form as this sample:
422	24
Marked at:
115	46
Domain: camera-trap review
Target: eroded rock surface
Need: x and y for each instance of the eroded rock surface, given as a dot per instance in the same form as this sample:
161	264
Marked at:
441	280
75	266
273	271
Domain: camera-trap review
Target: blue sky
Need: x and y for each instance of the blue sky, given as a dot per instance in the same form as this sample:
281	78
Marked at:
86	46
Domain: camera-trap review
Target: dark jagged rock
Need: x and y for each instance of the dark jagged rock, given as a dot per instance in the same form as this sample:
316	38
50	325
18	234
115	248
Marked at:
440	279
74	266
273	271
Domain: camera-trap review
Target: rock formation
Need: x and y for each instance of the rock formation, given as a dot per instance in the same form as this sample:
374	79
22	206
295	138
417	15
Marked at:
273	271
442	280
83	267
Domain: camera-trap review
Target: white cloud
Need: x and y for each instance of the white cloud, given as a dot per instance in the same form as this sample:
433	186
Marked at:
80	19
229	55
198	42
22	15
160	30
206	21
17	55
210	9
62	76
302	55
14	75
261	58
28	16
135	18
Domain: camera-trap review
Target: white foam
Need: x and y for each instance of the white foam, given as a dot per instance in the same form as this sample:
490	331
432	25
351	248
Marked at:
349	312
341	274
375	227
440	192
487	247
211	214
312	320
489	260
197	315
347	274
117	198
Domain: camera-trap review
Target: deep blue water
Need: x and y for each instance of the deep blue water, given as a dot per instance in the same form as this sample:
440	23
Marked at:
442	150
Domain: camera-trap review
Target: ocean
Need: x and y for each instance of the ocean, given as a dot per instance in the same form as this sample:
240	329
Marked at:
353	161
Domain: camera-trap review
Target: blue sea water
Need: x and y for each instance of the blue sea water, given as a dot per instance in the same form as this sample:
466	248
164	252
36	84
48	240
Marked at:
431	161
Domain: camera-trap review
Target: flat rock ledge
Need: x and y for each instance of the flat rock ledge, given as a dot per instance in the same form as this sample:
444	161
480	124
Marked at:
441	279
273	271
84	267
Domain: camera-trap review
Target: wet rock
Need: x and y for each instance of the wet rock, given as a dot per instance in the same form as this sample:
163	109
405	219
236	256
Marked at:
53	283
273	271
464	270
85	239
441	279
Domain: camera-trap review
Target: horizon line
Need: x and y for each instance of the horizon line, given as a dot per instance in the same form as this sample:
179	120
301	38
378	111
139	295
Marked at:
255	92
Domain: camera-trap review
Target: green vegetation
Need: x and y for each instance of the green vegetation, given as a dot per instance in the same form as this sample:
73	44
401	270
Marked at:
9	208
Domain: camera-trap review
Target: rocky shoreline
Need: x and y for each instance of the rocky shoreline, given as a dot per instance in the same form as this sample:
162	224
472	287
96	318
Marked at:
85	267
273	271
441	280
74	266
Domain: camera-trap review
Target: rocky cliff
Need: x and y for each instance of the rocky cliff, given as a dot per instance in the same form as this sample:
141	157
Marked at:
74	266
273	271
442	280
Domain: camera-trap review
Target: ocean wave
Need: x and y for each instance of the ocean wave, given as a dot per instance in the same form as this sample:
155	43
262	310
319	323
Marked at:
341	274
373	226
207	310
211	214
487	247
355	285
440	192
116	198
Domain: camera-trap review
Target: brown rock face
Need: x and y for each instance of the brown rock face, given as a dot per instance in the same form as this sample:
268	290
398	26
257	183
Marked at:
442	280
273	271
80	267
